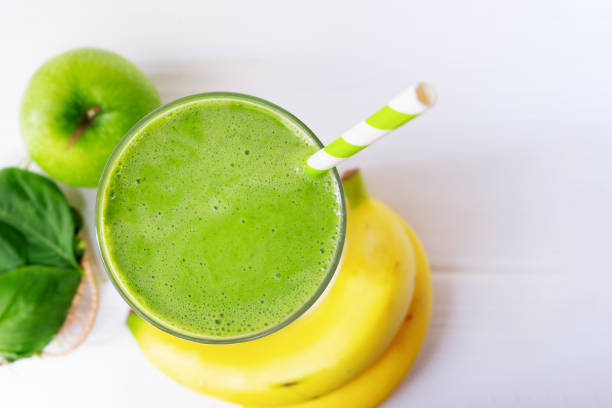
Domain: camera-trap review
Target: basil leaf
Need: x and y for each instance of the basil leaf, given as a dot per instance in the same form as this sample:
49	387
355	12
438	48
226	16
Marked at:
34	302
77	219
12	248
79	244
36	207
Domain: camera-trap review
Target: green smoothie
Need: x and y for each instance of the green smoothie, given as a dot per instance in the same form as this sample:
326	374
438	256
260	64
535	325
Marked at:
208	224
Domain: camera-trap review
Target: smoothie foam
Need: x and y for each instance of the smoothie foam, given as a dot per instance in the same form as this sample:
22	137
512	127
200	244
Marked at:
209	223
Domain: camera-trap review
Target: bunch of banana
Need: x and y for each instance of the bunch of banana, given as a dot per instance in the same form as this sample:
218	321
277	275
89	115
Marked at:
351	350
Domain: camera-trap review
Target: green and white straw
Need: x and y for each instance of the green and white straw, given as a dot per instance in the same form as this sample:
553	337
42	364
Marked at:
406	106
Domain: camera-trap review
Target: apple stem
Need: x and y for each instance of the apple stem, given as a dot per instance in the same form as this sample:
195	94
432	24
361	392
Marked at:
87	120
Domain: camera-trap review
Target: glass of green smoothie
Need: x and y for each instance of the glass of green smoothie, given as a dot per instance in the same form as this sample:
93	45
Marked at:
208	225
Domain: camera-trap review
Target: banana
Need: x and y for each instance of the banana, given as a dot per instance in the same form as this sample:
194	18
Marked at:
378	381
324	349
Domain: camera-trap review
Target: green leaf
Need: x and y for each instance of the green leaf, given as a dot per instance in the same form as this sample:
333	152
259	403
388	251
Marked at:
36	207
12	248
78	219
79	244
34	302
79	248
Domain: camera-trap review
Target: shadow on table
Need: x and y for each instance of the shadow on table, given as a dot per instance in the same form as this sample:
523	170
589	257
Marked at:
435	338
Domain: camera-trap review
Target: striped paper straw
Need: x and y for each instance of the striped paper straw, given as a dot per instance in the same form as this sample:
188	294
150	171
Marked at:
403	108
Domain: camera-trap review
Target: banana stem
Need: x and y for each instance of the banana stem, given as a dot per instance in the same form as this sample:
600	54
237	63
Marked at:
354	187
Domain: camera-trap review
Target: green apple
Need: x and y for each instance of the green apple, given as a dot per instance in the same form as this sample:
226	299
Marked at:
77	107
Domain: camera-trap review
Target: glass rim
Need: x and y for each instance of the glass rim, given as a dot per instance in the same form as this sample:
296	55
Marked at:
133	303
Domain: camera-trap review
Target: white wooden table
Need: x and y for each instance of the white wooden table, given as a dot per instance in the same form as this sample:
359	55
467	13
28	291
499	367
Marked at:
508	181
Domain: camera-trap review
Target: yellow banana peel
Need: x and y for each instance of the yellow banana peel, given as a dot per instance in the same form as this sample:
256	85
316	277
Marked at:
376	383
330	356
